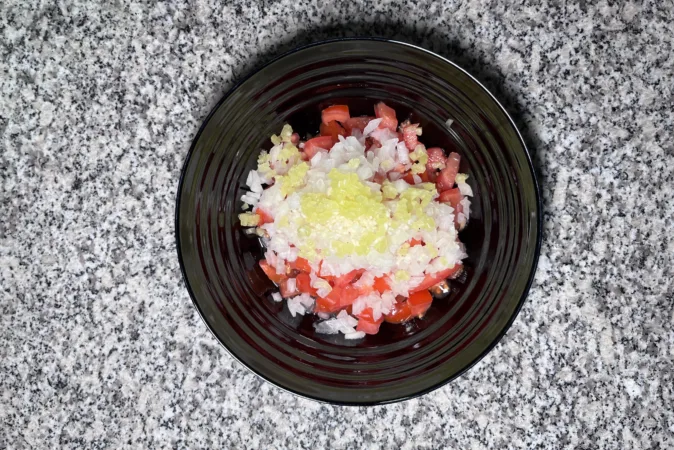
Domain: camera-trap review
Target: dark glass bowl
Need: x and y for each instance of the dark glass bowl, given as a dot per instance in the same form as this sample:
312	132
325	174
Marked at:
219	262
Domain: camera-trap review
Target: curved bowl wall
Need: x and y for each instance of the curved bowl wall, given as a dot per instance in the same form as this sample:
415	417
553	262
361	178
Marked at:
219	261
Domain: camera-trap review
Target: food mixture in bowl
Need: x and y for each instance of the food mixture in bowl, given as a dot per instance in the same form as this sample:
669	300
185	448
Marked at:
360	224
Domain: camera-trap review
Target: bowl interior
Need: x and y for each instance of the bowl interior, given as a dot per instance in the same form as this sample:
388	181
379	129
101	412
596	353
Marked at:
219	261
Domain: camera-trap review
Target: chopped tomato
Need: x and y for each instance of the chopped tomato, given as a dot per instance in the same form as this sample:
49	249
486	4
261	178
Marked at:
420	302
356	123
409	178
348	295
366	322
286	290
388	116
300	264
304	284
312	145
330	279
452	196
340	113
327	304
333	129
432	279
414	242
271	272
429	176
379	178
458	209
265	217
365	289
436	159
410	136
400	313
381	284
348	278
448	175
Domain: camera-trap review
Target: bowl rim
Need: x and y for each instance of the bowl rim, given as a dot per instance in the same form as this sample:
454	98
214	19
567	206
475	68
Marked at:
520	303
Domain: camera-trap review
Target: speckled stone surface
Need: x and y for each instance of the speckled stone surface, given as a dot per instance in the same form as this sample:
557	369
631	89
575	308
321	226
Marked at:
100	346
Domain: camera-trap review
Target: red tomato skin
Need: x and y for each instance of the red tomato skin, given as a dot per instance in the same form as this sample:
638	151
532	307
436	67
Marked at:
300	264
451	196
304	284
388	116
367	327
333	129
366	322
348	295
447	177
356	123
265	217
401	313
340	113
432	279
419	302
410	136
379	178
326	305
271	272
320	142
436	159
286	292
381	285
348	278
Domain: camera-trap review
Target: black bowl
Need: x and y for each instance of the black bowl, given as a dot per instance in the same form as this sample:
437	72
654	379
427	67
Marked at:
219	262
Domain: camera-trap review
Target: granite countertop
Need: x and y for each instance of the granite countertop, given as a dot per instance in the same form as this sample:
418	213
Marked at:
100	346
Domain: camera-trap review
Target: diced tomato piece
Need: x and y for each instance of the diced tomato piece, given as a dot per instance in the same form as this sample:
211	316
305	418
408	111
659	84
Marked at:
436	159
414	242
348	295
448	175
333	129
430	176
400	313
320	142
381	284
286	290
388	116
300	264
330	279
340	113
420	302
271	272
265	217
452	196
432	279
410	136
304	284
367	327
409	178
327	304
348	278
379	178
365	289
366	322
356	123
